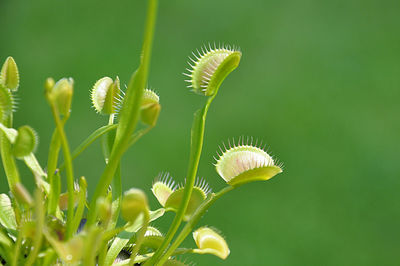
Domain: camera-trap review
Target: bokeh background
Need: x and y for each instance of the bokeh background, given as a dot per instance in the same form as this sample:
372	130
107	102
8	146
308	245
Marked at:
319	82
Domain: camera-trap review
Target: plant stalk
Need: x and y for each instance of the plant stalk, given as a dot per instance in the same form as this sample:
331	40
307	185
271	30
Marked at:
68	167
130	111
197	136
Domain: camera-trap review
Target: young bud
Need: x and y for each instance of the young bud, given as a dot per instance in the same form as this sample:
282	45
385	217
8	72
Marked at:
26	142
245	163
49	85
62	95
104	209
150	109
209	241
9	74
22	195
106	95
211	67
133	204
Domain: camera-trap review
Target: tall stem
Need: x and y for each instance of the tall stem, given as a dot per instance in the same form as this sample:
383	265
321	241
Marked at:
130	111
197	136
52	160
68	168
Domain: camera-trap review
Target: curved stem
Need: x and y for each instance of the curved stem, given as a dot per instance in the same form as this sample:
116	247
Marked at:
140	133
129	113
197	135
108	143
192	222
68	166
9	164
89	140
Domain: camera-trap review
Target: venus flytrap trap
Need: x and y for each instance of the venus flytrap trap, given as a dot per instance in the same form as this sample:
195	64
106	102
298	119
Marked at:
66	228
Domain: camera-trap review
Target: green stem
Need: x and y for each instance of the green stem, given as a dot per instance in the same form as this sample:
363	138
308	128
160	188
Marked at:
69	168
140	237
139	134
9	164
197	136
52	160
129	113
88	141
92	242
117	195
117	184
37	242
18	244
193	221
108	143
81	204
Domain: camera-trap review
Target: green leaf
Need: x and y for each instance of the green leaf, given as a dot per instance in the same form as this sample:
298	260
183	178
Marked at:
33	164
5	240
10	133
7	215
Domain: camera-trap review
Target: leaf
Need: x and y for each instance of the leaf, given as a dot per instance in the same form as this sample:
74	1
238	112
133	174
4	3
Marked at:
10	133
7	215
5	240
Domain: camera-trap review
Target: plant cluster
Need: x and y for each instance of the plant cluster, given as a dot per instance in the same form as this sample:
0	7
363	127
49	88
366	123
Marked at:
55	228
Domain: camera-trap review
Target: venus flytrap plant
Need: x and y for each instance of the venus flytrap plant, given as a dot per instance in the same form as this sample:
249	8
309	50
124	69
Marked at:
59	98
207	74
245	163
130	110
170	195
9	83
51	227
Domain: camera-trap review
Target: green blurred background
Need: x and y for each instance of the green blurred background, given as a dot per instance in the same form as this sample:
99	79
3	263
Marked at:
319	82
